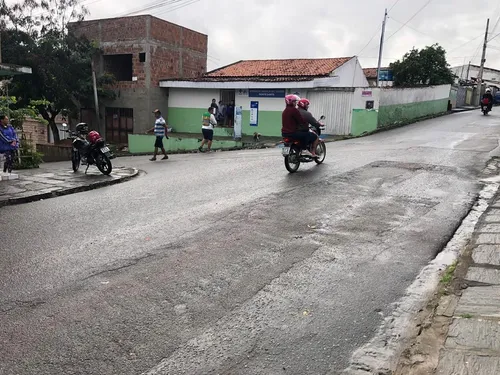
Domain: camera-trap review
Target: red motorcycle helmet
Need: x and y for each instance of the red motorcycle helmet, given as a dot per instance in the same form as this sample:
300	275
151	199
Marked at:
94	136
304	103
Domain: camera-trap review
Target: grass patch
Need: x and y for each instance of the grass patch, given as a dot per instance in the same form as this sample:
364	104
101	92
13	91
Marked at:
466	316
448	274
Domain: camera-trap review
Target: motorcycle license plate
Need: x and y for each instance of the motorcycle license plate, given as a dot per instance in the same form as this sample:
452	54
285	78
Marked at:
285	150
104	150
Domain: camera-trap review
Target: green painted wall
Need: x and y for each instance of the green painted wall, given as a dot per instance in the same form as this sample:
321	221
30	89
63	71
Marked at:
185	120
363	121
188	120
138	143
405	113
269	123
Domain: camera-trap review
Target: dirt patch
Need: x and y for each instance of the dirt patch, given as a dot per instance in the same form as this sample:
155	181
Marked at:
432	323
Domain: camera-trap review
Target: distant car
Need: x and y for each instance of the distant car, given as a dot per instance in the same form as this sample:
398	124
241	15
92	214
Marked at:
496	99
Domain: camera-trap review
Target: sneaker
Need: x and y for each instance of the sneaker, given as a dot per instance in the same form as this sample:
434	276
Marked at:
200	149
165	157
152	159
306	153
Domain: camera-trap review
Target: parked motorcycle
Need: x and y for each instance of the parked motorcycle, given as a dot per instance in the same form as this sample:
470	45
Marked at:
484	106
292	150
89	149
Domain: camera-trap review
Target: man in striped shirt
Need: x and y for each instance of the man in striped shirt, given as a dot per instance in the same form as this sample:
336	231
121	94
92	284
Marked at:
160	132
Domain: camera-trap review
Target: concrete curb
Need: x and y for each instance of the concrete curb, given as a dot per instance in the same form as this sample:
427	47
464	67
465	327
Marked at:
68	191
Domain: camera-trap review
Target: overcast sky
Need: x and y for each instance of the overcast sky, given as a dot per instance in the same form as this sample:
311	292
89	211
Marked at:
265	29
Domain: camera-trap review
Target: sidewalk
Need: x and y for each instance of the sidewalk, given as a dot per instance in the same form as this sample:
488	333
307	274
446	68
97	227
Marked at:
472	345
50	180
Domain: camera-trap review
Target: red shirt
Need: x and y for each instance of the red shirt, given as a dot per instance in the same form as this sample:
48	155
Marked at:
291	120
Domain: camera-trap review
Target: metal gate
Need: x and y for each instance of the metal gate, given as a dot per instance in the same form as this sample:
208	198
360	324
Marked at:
119	123
461	93
336	105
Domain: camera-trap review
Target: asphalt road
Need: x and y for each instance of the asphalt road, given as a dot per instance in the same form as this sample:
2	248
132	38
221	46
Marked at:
224	263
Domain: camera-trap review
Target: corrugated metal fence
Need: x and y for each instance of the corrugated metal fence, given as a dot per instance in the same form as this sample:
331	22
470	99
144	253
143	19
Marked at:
336	105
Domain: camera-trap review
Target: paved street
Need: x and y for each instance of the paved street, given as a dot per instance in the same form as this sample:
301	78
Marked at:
224	263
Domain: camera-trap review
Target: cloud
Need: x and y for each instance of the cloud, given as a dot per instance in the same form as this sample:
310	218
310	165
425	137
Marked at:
263	29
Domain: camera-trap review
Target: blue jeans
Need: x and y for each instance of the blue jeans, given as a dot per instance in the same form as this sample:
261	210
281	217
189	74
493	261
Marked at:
305	138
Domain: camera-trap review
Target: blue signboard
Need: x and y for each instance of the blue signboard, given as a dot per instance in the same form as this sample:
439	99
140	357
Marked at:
385	75
254	113
266	93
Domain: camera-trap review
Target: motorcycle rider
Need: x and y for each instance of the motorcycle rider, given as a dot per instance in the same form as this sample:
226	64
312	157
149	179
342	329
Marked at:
303	106
295	127
489	96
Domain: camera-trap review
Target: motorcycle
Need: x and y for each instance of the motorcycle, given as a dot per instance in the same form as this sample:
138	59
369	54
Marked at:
90	151
292	150
484	106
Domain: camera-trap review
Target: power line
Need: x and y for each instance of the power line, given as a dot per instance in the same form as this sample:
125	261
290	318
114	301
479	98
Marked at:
460	46
151	6
178	7
411	27
494	36
371	39
393	5
412	17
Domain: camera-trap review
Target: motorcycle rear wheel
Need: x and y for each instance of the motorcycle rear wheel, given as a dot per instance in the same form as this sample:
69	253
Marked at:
292	160
103	164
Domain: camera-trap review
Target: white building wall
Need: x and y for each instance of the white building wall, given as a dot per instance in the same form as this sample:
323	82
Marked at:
391	96
192	98
359	100
350	75
488	75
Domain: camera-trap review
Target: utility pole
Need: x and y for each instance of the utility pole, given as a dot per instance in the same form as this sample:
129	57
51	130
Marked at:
381	47
483	59
468	70
96	99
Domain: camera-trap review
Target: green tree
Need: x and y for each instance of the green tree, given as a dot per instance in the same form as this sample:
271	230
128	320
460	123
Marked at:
36	35
29	158
425	67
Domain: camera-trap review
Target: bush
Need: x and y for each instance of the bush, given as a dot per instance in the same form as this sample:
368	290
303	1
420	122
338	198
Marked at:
29	157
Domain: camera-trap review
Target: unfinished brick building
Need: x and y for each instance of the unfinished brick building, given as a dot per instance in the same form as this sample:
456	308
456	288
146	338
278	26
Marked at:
140	51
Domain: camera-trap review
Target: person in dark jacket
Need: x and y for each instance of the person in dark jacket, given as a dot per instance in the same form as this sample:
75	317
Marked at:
295	127
309	119
489	96
9	142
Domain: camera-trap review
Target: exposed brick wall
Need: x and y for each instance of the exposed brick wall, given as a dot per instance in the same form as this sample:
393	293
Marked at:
165	32
164	63
193	64
35	131
113	29
194	41
138	68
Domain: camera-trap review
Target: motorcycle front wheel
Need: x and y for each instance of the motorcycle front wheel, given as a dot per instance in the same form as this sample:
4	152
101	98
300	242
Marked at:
103	164
292	160
321	152
75	160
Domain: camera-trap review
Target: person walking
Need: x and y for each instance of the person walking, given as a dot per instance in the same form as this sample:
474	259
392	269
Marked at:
9	143
160	131
230	114
207	128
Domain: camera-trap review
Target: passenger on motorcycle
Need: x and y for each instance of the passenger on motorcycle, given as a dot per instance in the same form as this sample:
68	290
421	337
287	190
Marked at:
309	118
489	96
295	127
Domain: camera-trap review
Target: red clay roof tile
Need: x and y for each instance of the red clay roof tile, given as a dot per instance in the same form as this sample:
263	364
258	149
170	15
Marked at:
279	68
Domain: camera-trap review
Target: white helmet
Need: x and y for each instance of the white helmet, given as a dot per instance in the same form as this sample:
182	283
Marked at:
488	90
